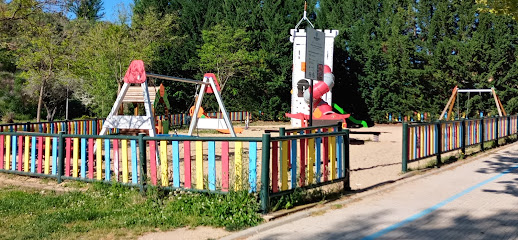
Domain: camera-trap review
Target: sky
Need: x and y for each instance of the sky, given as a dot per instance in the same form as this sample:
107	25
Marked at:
110	8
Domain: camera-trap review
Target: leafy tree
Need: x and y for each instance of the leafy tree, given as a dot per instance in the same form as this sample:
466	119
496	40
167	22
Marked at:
87	9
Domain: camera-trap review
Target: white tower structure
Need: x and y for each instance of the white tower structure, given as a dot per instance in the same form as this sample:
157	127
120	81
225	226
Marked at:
299	82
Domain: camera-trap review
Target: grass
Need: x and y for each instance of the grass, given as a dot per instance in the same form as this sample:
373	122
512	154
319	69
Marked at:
117	212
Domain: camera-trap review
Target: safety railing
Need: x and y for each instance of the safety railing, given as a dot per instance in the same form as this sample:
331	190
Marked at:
274	166
427	140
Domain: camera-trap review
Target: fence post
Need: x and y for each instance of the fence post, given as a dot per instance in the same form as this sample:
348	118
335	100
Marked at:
438	142
142	162
347	162
404	161
61	156
463	141
497	124
265	174
481	134
508	133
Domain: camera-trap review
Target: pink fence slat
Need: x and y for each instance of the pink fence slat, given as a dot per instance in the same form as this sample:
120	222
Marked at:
116	159
275	166
187	163
152	161
2	139
20	151
40	154
303	148
224	166
68	150
91	158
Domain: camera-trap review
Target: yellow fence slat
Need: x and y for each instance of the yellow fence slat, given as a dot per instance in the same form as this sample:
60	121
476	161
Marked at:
163	163
124	143
47	154
199	165
99	156
238	166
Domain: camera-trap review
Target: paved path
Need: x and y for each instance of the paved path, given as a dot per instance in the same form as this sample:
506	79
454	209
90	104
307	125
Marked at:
473	200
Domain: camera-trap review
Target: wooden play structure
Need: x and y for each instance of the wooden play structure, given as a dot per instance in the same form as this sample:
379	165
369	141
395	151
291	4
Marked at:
136	75
456	91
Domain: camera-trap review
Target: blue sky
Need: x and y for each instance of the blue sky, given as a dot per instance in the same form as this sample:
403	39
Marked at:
110	8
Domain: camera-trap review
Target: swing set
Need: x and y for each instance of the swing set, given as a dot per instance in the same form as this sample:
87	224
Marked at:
454	96
136	75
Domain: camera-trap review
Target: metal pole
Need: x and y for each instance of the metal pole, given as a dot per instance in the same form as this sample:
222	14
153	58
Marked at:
265	174
61	155
347	162
481	134
438	143
405	148
310	122
142	162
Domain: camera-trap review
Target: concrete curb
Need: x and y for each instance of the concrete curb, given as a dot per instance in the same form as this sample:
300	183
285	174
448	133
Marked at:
308	211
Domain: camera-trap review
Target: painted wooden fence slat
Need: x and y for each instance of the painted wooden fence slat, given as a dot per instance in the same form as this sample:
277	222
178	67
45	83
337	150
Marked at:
83	157
303	149
20	155
284	165
91	158
152	161
134	171
33	154
275	167
99	157
124	145
26	154
199	165
332	155
54	155
47	155
187	163
163	164
2	154
13	154
67	156
238	165
252	175
311	158
107	168
325	157
75	155
116	159
212	165
176	163
293	157
40	154
8	152
224	166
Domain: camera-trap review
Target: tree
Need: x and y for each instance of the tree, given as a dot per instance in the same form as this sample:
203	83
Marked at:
87	9
503	7
45	54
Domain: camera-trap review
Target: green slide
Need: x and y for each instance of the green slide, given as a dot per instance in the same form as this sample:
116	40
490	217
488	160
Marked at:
341	110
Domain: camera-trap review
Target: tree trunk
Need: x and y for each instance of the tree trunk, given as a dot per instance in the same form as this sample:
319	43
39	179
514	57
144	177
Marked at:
40	101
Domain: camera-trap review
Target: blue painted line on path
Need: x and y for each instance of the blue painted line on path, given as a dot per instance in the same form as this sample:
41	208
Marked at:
439	205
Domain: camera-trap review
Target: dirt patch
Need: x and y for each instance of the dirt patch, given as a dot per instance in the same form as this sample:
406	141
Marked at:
198	233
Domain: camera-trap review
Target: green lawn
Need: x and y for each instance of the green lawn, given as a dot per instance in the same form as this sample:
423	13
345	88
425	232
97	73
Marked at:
117	212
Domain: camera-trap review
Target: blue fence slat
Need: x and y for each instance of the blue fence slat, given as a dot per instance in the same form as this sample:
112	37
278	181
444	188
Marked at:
252	175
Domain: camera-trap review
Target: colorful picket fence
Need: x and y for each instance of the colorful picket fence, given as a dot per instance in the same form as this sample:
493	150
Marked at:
213	164
431	139
94	126
307	157
83	127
